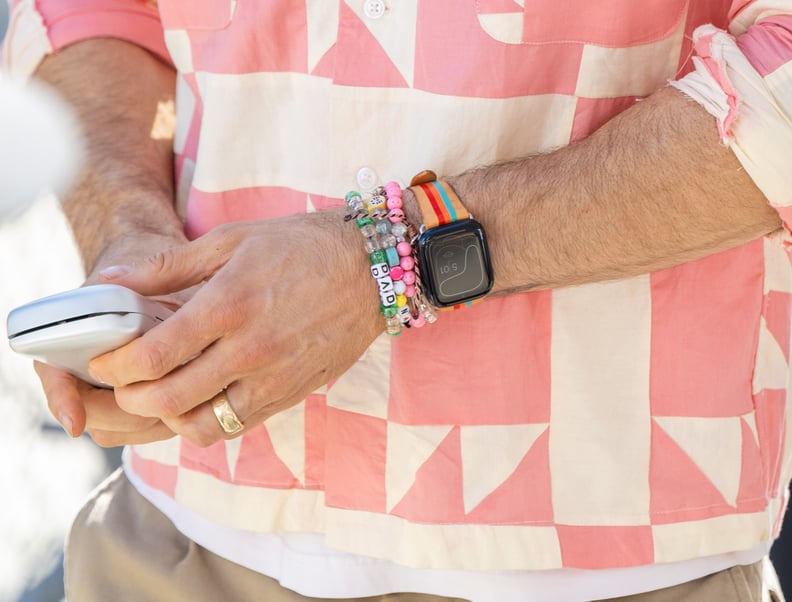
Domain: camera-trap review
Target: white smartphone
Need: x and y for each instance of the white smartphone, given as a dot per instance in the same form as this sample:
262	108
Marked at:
69	329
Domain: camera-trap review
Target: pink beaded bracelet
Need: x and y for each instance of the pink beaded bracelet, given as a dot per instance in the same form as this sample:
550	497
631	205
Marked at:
387	239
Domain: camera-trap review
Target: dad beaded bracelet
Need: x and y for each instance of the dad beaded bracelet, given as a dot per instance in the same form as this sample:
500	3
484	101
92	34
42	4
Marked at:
387	239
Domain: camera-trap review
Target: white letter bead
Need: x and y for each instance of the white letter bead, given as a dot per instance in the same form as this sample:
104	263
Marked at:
386	286
378	270
404	314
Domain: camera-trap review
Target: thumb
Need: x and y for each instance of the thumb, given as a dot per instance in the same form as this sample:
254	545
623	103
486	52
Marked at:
173	269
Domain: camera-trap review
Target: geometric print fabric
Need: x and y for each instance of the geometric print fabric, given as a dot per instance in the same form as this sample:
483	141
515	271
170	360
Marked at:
490	461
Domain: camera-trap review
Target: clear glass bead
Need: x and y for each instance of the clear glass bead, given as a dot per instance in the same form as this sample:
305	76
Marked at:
371	244
388	240
384	227
399	229
379	214
427	311
368	231
393	326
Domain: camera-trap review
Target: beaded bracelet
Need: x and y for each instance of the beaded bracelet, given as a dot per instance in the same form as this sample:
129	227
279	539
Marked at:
387	239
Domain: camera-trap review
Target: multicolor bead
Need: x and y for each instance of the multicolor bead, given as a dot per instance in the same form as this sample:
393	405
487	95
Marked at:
381	221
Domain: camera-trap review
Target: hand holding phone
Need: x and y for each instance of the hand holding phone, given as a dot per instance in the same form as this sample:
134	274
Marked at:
69	329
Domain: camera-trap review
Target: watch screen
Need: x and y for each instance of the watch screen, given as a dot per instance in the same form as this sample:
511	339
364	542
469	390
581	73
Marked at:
457	264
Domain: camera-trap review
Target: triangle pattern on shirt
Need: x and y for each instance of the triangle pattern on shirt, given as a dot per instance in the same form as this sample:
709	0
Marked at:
365	387
436	494
326	65
490	455
198	458
309	206
409	447
750	422
232	447
287	433
258	464
525	496
322	26
777	308
375	66
771	365
751	496
680	489
771	412
714	445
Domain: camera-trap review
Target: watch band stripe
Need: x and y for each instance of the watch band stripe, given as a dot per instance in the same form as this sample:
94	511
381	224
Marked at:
436	202
447	205
439	204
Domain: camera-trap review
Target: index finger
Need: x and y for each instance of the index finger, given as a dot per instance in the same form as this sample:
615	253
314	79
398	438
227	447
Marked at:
168	345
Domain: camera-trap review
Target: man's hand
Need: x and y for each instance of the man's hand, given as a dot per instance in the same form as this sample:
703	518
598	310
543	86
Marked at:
79	406
121	207
287	306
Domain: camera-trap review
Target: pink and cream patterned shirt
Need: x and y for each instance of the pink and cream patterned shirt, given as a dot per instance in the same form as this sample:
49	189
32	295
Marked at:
610	425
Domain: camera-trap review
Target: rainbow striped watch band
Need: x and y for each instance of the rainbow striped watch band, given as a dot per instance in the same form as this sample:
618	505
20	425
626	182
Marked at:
438	202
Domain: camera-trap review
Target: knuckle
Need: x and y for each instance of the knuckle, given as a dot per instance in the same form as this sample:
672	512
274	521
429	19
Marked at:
228	234
203	439
169	403
139	424
194	432
253	353
125	400
155	360
232	312
160	262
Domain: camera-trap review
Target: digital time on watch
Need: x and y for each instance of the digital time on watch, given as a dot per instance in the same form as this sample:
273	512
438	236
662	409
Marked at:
452	248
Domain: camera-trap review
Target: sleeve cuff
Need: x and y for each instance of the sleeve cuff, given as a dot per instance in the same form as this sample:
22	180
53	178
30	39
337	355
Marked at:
752	106
38	28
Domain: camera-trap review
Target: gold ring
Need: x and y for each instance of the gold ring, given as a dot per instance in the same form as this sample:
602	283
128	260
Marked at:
225	414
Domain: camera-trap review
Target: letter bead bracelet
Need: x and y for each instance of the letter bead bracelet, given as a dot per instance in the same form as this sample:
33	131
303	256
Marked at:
387	239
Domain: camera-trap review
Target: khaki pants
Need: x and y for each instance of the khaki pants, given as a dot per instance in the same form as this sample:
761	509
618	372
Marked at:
122	549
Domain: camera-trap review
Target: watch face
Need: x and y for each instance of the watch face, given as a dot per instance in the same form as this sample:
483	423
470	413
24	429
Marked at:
455	266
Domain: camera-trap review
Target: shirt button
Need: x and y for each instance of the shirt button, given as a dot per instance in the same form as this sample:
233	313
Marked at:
366	179
374	9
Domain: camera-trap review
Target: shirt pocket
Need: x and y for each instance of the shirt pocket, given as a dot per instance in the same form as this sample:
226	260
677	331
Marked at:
197	15
609	23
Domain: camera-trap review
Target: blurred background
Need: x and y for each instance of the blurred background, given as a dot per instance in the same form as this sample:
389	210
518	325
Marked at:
45	475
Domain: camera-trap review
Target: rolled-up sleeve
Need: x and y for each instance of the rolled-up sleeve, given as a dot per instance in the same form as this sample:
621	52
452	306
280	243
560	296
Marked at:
41	27
743	77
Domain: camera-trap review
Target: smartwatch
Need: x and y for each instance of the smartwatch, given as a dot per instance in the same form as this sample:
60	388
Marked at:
453	257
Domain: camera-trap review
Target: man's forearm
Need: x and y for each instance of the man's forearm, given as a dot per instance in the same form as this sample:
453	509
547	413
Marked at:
126	186
651	189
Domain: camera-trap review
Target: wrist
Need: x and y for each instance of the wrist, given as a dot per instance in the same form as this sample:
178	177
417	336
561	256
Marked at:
341	240
410	207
